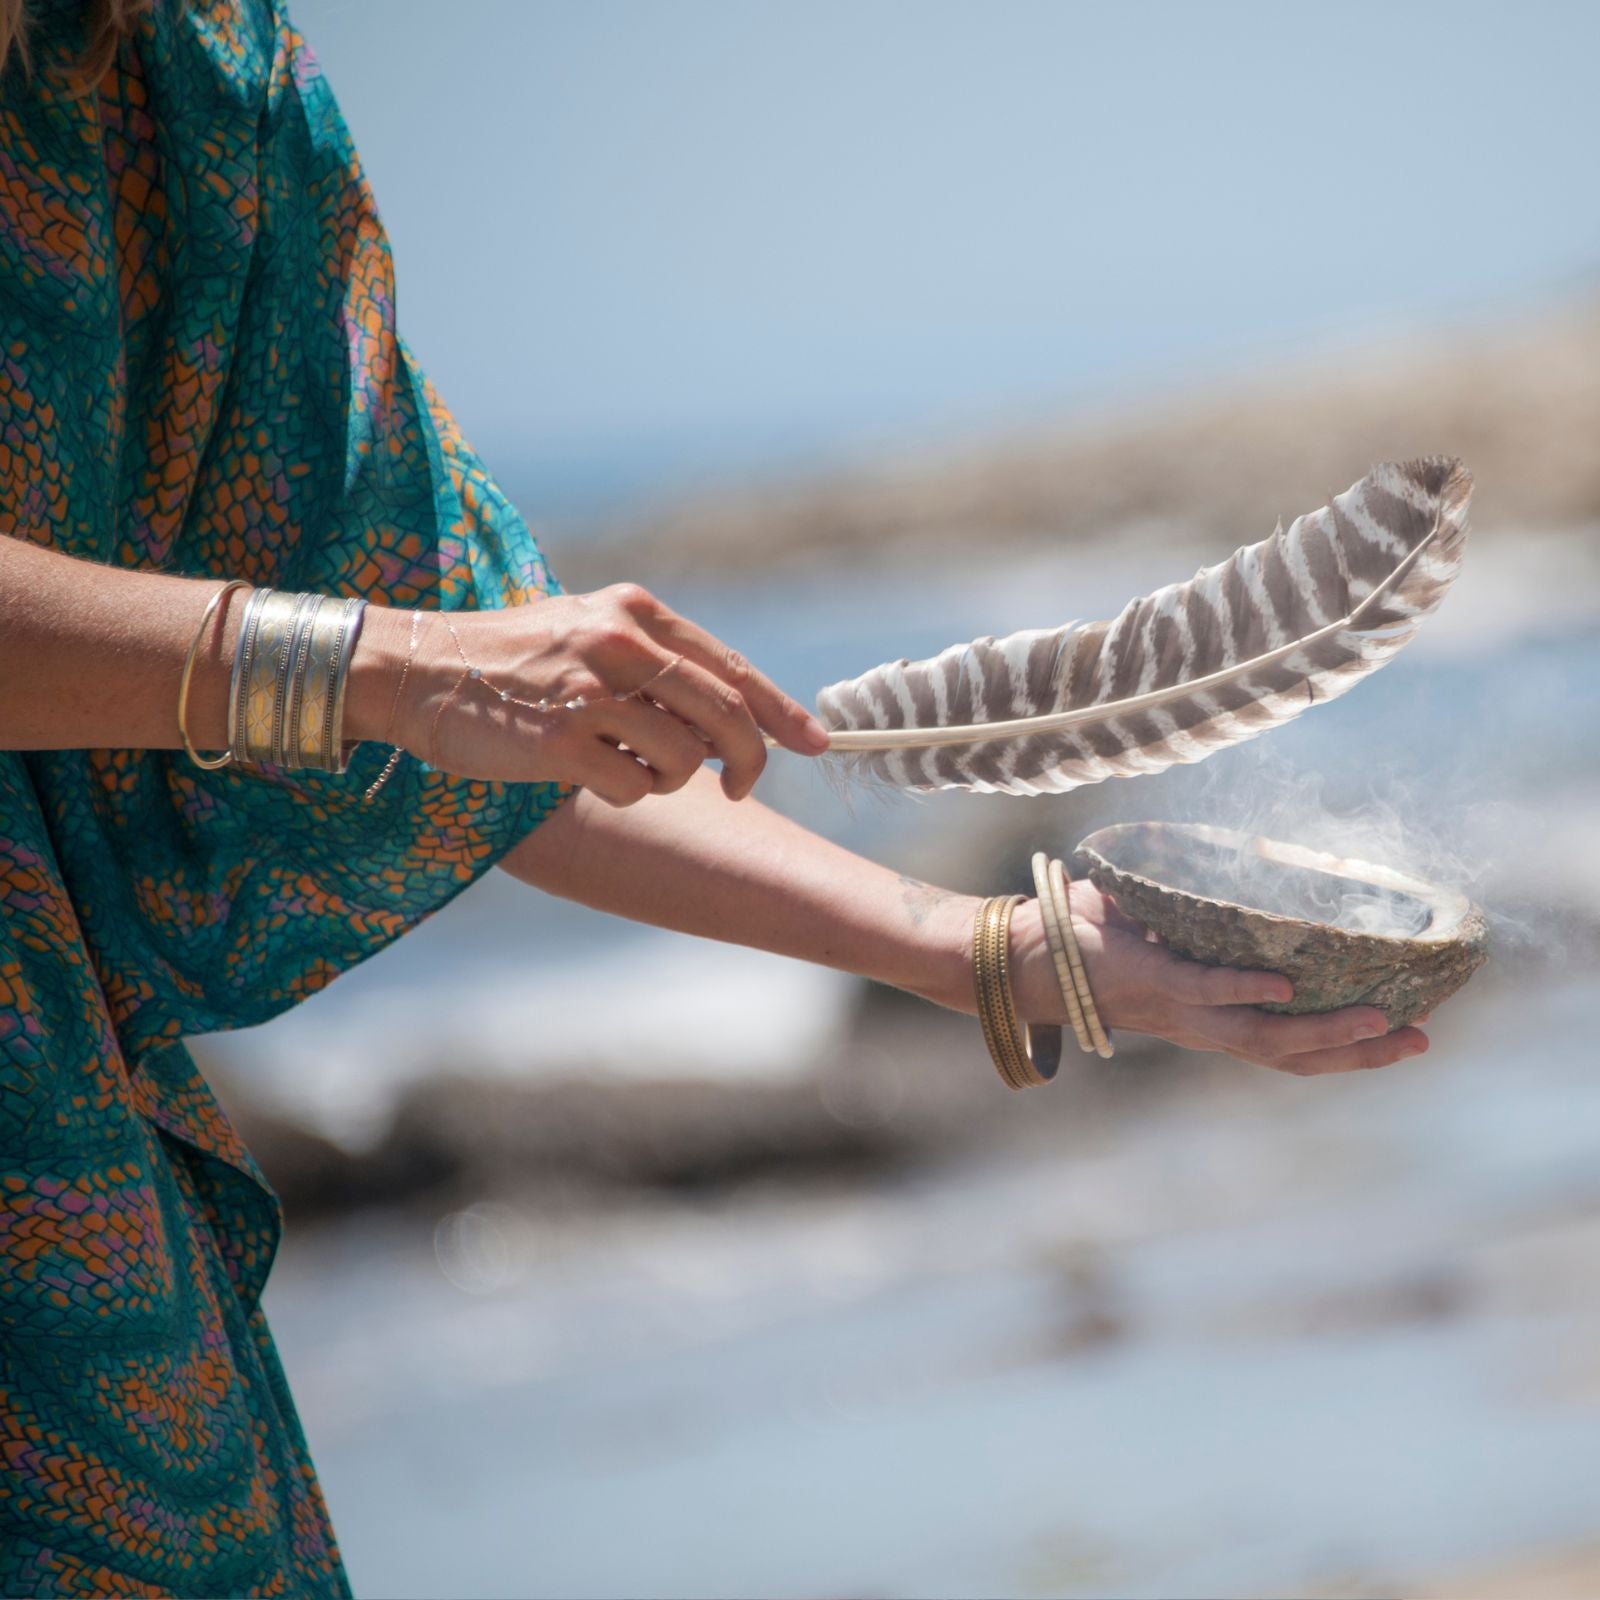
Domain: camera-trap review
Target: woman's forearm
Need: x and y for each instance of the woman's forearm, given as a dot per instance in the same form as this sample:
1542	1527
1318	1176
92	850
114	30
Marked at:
697	863
91	656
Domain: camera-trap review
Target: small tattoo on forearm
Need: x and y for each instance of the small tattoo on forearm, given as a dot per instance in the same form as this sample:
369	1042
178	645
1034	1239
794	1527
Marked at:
921	899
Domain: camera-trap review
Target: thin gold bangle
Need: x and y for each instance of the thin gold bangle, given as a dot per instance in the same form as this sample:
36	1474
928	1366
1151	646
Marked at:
1091	1012
1023	1056
984	982
209	763
1038	1049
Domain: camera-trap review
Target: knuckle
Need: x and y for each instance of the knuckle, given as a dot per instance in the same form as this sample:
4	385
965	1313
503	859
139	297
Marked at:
633	786
748	763
728	701
735	669
689	757
671	767
610	636
629	596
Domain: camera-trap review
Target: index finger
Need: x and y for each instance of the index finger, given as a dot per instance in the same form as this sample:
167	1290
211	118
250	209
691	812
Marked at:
776	713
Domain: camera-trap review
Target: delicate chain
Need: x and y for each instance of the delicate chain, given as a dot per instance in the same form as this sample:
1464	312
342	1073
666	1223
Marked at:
473	674
433	731
577	703
394	711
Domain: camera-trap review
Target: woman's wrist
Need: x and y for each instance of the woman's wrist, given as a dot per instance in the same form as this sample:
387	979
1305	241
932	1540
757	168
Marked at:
934	959
1033	978
375	669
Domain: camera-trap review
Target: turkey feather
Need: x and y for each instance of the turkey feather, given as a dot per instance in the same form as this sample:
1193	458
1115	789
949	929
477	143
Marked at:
1241	648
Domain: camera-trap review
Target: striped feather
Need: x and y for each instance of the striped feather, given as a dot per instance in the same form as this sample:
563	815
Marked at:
1242	647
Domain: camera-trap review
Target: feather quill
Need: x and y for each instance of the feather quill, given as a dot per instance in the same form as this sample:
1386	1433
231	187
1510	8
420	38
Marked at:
1242	647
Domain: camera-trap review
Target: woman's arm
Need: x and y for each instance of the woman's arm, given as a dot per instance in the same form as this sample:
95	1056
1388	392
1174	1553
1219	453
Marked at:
695	863
91	657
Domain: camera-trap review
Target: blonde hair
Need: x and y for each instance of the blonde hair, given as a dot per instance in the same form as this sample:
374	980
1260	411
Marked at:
110	21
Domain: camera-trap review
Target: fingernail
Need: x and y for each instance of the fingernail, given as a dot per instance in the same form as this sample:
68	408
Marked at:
1414	1050
816	733
1372	1030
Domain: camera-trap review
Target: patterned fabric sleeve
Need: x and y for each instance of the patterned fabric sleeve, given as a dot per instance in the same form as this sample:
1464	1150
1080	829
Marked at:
200	373
286	436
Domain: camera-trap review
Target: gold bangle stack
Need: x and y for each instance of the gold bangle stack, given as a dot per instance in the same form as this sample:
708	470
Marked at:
1050	880
286	690
1023	1056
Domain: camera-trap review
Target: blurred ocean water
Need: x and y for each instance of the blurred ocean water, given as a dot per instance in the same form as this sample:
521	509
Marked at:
1286	1337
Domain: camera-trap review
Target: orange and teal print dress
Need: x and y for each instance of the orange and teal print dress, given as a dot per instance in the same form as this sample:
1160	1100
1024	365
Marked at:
200	374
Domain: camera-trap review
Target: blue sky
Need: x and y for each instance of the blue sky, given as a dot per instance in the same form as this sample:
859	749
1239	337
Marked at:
643	242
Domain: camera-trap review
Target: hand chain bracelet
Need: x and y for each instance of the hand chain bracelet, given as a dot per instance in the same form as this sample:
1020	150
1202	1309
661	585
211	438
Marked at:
473	674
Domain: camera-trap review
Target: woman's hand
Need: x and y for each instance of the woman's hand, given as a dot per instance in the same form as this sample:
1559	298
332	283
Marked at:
661	696
1142	986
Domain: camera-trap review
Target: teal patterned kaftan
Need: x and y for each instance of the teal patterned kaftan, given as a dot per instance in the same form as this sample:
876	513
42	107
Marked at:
199	373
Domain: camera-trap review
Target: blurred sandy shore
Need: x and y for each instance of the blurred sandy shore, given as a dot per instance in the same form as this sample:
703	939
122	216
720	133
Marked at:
1520	404
1217	1332
1571	1574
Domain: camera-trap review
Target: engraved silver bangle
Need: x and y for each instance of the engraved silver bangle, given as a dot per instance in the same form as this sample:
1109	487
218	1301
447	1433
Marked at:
291	681
335	752
287	692
266	678
243	651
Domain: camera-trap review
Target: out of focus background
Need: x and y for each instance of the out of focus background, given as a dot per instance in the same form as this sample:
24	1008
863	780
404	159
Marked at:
621	1264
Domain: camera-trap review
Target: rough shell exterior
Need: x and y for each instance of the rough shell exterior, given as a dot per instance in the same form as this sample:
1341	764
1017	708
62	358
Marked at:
1329	966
